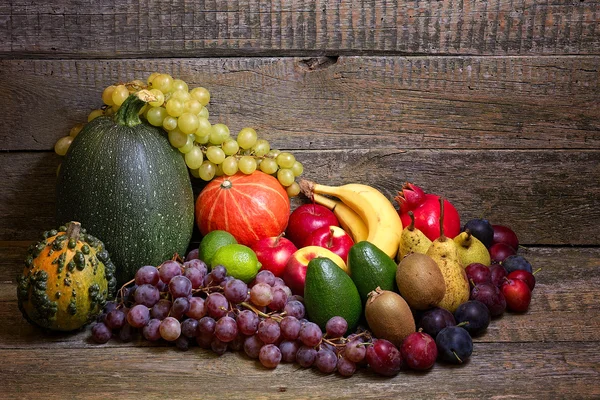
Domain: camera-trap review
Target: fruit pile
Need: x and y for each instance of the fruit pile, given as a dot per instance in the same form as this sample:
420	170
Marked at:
208	149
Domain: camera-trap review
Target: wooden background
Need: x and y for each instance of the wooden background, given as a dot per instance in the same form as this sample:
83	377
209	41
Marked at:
494	104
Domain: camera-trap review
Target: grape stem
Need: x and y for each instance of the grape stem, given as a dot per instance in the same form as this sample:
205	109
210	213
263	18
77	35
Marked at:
249	306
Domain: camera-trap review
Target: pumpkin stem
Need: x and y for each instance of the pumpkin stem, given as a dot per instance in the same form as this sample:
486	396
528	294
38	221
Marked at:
128	113
73	230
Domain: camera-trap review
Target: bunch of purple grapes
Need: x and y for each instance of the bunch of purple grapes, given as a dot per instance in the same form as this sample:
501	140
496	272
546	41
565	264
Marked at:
185	304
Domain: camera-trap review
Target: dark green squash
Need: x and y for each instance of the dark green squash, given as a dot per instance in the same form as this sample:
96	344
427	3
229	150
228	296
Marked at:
127	185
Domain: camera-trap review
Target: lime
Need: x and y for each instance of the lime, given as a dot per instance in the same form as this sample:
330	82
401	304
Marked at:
239	260
212	242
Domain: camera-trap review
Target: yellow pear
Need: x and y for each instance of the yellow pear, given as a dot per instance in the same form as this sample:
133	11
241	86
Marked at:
445	253
412	240
471	250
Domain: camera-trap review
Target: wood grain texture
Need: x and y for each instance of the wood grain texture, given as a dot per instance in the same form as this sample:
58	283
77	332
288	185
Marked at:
567	370
547	196
349	102
109	28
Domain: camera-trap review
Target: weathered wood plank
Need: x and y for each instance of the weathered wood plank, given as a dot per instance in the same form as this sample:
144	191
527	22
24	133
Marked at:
547	196
553	370
150	28
349	102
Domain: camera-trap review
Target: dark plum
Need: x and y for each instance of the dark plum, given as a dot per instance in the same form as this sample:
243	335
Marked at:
478	273
499	252
481	229
384	358
523	275
515	262
419	351
498	274
491	296
475	316
503	234
454	345
436	319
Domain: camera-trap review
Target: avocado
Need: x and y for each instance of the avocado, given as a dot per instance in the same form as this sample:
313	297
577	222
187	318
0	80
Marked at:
370	267
330	292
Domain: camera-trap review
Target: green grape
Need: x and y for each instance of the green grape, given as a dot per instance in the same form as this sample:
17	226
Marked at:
136	85
247	164
293	190
192	106
195	172
203	113
162	82
188	146
215	154
194	157
160	98
188	123
169	123
247	138
95	114
201	94
230	147
156	115
204	127
107	95
152	76
174	107
181	95
273	153
62	145
219	170
219	134
178	84
297	168
76	129
230	165
202	139
119	94
207	170
285	176
177	138
268	166
261	148
286	160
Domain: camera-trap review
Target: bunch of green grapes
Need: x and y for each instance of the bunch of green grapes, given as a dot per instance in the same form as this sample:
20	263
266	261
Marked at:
208	149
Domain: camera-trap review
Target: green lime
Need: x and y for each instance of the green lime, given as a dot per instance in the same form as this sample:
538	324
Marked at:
239	260
212	242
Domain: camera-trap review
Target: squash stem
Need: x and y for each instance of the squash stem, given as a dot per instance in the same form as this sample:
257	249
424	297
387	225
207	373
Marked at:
128	113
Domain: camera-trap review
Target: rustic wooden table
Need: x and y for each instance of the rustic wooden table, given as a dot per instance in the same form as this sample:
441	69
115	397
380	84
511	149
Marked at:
494	104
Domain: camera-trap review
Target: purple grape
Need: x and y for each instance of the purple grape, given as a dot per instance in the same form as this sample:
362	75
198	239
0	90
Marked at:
170	329
115	319
237	344
306	356
138	316
236	291
168	270
252	346
218	273
206	325
147	295
204	340
290	327
346	367
189	328
180	306
182	343
336	327
161	309
197	308
196	276
295	308
247	322
152	330
226	329
288	349
148	274
265	276
355	351
101	333
279	299
126	333
268	330
278	282
326	360
192	255
269	356
218	347
310	334
180	286
216	305
109	306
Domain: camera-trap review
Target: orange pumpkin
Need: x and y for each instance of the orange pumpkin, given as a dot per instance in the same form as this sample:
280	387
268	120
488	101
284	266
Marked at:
250	207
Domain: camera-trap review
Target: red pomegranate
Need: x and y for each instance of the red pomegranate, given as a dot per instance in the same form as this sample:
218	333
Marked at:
250	207
426	208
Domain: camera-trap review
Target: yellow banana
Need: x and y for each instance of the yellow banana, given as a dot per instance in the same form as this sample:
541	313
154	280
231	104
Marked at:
349	220
379	215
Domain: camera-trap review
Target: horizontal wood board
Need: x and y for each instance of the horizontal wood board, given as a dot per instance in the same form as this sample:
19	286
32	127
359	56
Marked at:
324	103
547	196
119	28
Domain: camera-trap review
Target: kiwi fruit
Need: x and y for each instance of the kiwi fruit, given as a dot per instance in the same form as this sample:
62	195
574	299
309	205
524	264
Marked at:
389	316
420	281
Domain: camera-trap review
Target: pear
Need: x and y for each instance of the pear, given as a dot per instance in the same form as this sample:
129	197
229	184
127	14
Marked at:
471	250
445	253
412	240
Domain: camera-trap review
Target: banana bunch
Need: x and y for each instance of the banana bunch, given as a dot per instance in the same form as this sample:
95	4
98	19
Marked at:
363	211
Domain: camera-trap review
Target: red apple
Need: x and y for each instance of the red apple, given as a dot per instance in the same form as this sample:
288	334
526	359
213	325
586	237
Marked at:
274	253
332	238
306	219
517	294
294	274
